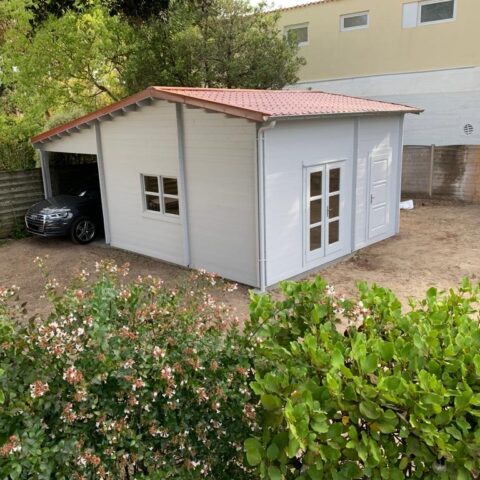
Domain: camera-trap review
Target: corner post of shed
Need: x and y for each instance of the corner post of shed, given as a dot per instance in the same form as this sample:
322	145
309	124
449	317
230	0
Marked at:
398	196
46	178
183	184
103	185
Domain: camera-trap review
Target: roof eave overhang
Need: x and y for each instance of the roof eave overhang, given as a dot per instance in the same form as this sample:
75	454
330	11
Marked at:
151	93
343	115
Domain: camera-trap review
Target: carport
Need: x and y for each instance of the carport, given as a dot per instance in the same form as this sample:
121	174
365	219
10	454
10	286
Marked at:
69	162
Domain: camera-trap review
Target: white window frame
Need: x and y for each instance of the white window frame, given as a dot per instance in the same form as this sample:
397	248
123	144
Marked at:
351	15
160	194
434	22
287	28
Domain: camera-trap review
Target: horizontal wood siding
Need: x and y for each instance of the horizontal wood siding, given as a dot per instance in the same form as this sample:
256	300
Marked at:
220	175
77	142
18	191
142	142
456	172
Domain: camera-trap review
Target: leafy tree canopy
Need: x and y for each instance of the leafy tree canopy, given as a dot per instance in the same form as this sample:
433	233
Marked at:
57	57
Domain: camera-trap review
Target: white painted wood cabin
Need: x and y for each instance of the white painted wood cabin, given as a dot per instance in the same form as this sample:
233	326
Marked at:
257	186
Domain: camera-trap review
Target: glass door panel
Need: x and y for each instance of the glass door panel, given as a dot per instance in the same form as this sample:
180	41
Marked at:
333	199
323	210
315	211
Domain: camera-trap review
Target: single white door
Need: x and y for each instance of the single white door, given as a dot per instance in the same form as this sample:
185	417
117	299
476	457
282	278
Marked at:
379	213
325	210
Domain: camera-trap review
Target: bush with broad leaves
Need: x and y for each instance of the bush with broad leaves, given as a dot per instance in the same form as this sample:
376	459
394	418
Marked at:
360	389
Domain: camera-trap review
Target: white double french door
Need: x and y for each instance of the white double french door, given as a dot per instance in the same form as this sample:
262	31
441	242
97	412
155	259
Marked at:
325	210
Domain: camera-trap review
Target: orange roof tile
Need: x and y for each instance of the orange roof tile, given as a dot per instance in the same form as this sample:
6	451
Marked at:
255	105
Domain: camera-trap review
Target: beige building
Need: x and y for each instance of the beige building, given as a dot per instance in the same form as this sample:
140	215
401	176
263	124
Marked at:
425	53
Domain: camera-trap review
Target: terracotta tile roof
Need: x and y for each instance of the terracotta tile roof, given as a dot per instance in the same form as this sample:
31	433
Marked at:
255	105
289	103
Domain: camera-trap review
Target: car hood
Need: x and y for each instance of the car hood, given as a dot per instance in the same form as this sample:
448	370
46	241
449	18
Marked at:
54	204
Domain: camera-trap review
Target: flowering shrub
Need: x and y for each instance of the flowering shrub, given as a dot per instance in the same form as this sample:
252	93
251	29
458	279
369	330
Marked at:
134	380
384	395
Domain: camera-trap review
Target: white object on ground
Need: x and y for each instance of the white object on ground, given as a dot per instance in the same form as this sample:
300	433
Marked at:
406	205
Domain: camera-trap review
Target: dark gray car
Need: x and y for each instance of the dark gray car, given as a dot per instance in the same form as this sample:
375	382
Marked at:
78	215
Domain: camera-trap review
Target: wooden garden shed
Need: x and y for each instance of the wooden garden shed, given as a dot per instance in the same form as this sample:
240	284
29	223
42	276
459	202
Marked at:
256	185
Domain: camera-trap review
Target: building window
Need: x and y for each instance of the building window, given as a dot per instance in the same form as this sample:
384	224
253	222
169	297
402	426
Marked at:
354	21
299	33
160	194
428	12
436	11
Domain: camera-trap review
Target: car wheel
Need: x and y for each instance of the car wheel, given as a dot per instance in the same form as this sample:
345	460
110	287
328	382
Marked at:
83	230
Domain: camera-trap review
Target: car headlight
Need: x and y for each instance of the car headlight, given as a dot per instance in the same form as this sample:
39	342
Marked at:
64	214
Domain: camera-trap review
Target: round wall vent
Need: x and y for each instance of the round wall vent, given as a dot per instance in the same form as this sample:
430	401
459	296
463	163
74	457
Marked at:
468	129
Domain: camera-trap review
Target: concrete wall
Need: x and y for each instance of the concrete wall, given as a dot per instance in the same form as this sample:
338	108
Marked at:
18	191
385	46
453	174
450	98
220	157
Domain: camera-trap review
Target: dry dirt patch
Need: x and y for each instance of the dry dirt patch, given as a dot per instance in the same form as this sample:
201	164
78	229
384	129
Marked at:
438	245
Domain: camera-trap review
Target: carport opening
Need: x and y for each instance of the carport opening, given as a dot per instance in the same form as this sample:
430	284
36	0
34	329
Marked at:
71	172
74	173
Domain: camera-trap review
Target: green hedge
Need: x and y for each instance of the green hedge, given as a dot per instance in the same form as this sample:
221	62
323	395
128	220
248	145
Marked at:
139	379
360	389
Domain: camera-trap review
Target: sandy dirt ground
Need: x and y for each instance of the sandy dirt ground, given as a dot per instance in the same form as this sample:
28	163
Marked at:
438	245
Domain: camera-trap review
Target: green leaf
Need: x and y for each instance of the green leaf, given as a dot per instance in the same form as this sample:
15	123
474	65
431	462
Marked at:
337	359
370	409
370	363
274	473
386	350
271	402
253	449
273	451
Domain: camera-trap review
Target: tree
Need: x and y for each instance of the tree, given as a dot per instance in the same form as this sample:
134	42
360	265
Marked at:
134	10
73	61
214	43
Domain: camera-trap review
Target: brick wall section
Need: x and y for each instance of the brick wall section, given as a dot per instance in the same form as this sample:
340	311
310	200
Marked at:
18	191
456	172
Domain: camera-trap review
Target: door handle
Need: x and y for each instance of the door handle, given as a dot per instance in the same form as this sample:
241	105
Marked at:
372	196
328	210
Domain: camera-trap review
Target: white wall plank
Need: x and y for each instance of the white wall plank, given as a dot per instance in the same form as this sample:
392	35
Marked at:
144	141
220	171
289	147
77	142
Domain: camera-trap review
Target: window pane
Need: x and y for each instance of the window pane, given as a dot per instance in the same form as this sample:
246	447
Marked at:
300	34
334	180
333	232
356	21
315	184
172	206
151	184
315	211
437	11
315	238
334	206
170	186
153	202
